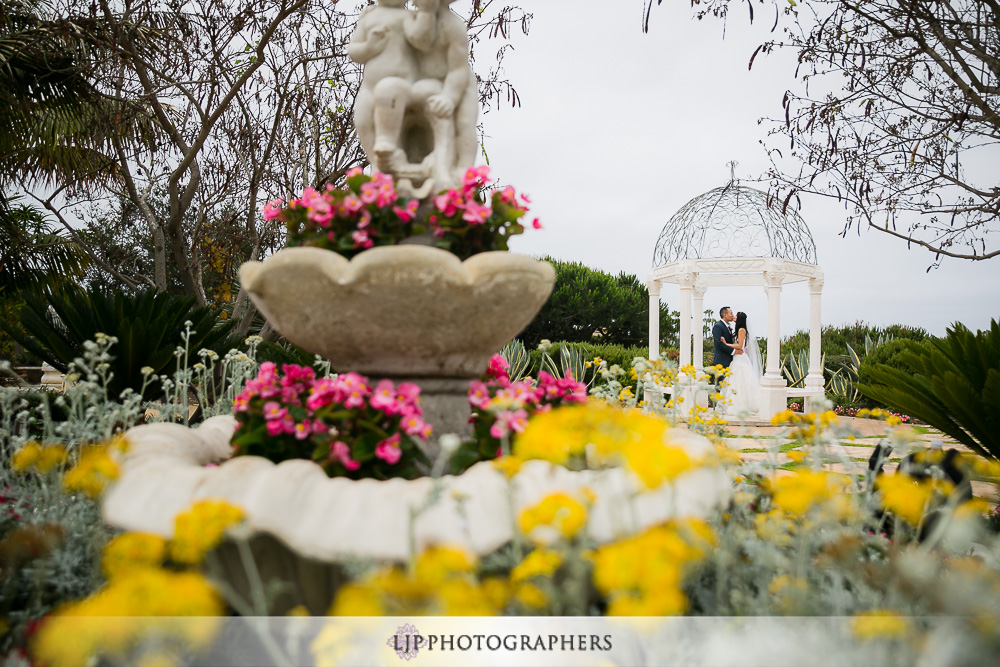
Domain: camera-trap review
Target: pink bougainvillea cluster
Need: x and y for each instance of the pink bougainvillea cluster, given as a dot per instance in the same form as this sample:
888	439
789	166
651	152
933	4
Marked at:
370	212
501	408
344	423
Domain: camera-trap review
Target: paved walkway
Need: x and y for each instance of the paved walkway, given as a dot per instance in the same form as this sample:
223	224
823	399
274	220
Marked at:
766	443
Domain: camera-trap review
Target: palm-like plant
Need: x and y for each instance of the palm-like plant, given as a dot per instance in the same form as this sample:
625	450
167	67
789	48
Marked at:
58	125
955	386
32	254
148	326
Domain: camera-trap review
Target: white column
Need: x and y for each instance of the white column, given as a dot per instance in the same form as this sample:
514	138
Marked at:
654	319
687	284
773	384
815	378
773	330
698	330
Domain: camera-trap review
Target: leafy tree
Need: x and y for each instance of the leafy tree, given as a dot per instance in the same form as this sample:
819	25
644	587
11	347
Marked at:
897	115
249	101
592	306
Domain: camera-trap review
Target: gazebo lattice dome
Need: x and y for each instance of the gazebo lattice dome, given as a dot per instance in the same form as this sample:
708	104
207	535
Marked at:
735	221
738	236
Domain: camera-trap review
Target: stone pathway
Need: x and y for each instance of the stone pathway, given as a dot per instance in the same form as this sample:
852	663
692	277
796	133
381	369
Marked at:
757	443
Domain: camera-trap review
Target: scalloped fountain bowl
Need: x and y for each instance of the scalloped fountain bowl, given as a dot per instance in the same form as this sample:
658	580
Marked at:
399	311
406	312
307	527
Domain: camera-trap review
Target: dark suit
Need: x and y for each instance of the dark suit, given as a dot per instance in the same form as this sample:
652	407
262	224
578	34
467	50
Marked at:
723	355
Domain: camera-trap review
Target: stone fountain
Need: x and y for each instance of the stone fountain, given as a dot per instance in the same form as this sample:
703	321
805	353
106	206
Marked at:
402	312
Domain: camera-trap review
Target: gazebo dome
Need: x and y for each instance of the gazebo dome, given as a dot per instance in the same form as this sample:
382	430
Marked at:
735	221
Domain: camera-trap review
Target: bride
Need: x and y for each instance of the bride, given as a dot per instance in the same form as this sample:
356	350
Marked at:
744	371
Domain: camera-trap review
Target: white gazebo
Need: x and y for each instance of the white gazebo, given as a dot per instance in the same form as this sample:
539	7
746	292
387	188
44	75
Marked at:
738	236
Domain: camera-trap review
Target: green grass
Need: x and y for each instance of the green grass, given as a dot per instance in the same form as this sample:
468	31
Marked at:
753	450
922	430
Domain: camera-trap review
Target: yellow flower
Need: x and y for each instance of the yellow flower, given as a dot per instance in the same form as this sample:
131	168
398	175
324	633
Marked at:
906	497
782	417
879	623
558	510
656	463
439	563
651	561
201	529
26	457
784	583
93	471
530	596
798	492
664	602
404	589
43	459
539	563
298	611
497	591
796	456
356	600
775	527
508	465
463	598
131	551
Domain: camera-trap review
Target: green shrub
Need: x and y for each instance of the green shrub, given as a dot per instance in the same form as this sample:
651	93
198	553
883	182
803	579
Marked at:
148	326
891	354
953	384
590	306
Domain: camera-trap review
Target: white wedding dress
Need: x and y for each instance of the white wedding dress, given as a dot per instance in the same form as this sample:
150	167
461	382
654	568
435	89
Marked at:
743	390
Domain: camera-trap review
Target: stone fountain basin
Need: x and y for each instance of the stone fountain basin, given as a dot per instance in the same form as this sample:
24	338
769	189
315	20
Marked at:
399	311
335	519
308	530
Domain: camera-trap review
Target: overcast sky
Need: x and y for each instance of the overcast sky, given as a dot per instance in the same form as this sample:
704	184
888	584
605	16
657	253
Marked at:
619	129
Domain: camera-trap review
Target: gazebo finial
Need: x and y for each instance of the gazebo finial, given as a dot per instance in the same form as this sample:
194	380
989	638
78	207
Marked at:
732	170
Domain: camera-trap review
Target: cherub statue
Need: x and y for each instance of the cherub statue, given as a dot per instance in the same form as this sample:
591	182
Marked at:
417	107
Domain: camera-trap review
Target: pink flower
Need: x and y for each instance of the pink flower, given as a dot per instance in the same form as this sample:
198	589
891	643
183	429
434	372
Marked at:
408	399
354	171
272	209
384	397
388	450
281	426
449	202
414	425
273	410
303	430
479	395
352	204
507	195
242	402
475	176
369	192
361	239
476	213
407	213
339	451
498	367
536	223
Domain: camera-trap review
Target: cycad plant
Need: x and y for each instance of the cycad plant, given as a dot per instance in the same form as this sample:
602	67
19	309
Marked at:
954	386
148	326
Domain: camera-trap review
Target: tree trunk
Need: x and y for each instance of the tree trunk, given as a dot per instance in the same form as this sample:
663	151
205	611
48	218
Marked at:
159	259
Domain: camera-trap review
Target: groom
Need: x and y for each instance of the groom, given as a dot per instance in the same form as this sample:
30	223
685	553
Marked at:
723	355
